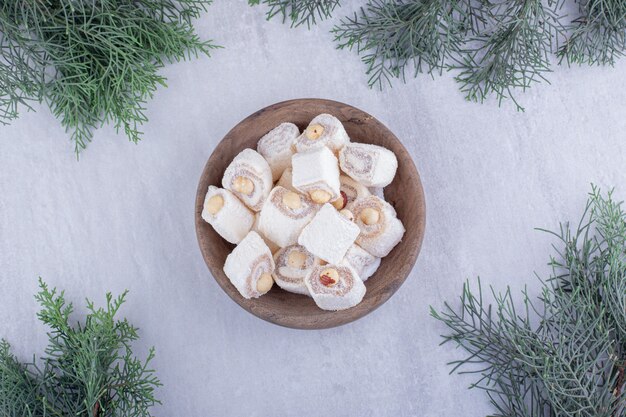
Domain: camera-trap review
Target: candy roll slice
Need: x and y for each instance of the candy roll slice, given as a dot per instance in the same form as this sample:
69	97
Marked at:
371	165
364	263
380	229
350	191
276	147
293	264
250	266
316	173
324	130
284	215
230	218
335	287
249	177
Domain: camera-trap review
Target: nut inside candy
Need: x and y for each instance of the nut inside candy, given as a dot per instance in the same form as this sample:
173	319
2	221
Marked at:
320	196
370	216
243	185
296	259
292	200
215	204
313	132
347	214
329	277
265	282
341	202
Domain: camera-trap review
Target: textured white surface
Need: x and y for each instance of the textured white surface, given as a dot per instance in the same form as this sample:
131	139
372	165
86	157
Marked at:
234	220
122	217
329	235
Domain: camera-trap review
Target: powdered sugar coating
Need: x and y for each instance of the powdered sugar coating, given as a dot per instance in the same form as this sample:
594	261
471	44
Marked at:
233	221
334	135
363	262
291	278
371	165
277	147
317	169
353	189
247	262
282	224
329	235
251	165
379	238
347	292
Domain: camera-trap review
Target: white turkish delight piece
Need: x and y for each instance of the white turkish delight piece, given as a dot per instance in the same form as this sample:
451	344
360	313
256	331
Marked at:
250	266
293	263
276	147
381	230
316	173
371	165
284	215
285	180
230	218
335	287
364	263
255	227
249	177
329	235
324	130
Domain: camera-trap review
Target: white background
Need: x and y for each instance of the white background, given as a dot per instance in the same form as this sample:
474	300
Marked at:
123	217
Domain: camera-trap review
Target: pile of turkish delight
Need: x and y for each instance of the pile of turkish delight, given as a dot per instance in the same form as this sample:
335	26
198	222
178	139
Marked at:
307	212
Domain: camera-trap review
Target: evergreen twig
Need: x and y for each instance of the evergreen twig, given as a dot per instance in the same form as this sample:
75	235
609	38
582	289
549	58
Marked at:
89	369
393	35
92	62
562	353
299	12
598	35
498	48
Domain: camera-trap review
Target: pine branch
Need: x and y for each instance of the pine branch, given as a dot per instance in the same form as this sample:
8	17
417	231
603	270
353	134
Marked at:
511	54
94	62
89	369
394	35
598	35
563	353
299	11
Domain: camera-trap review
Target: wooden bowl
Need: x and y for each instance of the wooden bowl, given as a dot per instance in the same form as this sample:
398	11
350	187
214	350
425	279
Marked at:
405	194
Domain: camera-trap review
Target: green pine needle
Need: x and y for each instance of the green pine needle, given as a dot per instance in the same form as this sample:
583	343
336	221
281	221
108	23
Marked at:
598	35
299	12
512	53
562	353
92	62
394	35
89	369
497	48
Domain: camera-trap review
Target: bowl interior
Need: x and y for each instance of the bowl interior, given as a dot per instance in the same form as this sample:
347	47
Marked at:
405	194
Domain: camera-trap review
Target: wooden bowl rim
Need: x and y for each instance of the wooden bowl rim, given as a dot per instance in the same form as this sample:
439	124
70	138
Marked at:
339	317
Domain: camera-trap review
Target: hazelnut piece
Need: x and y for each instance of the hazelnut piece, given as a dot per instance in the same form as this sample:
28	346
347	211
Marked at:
313	132
320	196
214	204
370	216
341	202
329	277
347	214
292	200
243	185
265	282
296	259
